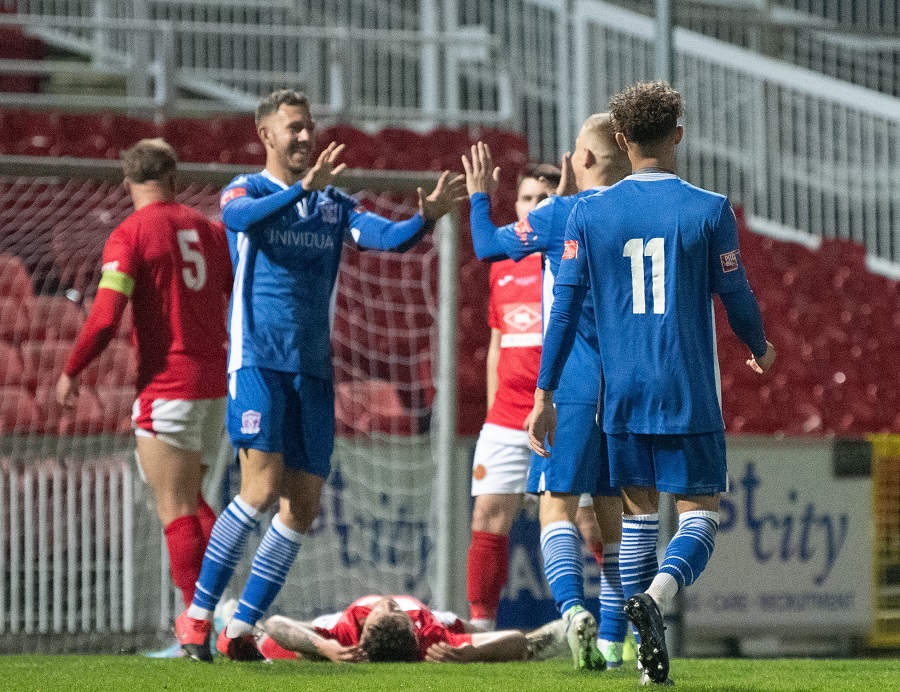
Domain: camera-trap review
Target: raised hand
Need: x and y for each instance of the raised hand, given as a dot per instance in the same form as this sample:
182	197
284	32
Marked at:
765	361
481	176
567	184
322	174
447	192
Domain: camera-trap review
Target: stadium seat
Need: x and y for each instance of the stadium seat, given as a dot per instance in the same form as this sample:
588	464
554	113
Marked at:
44	361
116	366
367	406
55	318
12	370
15	281
15	318
18	412
116	403
86	418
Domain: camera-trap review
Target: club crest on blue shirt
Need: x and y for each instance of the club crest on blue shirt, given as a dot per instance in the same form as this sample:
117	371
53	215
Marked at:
250	422
329	211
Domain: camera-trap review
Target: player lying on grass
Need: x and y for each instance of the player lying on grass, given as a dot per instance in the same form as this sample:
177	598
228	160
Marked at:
399	629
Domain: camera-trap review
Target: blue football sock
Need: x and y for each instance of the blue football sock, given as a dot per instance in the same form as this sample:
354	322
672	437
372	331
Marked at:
637	554
613	623
686	555
270	567
563	564
223	552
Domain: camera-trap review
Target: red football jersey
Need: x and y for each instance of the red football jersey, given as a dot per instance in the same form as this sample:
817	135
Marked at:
181	268
429	630
515	309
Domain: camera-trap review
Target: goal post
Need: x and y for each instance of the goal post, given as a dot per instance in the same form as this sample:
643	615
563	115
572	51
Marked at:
395	510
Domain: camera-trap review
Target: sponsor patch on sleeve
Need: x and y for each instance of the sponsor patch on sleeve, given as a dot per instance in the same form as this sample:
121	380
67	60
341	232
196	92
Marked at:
522	229
570	249
233	193
729	261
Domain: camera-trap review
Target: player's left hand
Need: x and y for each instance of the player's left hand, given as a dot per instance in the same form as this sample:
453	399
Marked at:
567	184
541	423
442	652
764	362
345	654
445	195
66	391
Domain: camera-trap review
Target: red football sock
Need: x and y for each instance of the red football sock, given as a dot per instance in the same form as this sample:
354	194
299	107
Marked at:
186	543
207	518
597	550
486	573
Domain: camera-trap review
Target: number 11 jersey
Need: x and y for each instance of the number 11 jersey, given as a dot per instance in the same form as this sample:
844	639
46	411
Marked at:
654	249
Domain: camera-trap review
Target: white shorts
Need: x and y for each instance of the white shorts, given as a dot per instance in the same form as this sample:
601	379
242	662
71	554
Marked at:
193	425
585	500
502	459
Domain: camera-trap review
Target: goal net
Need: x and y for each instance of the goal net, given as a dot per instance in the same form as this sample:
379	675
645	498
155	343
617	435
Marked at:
83	554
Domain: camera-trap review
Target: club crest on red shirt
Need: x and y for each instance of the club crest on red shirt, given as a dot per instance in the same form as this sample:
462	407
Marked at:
570	249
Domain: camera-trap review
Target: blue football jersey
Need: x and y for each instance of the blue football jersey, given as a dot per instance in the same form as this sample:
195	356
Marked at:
654	249
285	270
544	230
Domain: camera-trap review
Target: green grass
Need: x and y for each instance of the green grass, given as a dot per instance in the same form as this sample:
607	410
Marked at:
132	673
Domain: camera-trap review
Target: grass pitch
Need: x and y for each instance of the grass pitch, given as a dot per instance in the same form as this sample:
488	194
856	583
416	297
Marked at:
132	673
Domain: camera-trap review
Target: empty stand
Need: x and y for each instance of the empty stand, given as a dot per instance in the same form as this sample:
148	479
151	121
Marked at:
44	361
12	370
18	411
55	318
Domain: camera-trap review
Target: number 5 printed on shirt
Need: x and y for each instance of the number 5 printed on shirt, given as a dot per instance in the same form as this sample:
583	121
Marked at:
636	250
194	276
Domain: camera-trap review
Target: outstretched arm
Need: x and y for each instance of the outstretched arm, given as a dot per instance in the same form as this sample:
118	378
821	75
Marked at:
378	233
239	211
486	647
303	638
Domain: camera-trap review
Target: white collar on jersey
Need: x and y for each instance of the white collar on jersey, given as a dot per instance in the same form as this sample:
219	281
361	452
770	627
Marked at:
655	175
268	175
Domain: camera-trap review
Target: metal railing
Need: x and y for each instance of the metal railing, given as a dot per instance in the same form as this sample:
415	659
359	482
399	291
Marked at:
397	75
800	151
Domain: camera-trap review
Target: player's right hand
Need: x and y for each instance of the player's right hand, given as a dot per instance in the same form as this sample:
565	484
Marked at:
322	174
66	391
541	423
344	654
567	184
481	175
765	361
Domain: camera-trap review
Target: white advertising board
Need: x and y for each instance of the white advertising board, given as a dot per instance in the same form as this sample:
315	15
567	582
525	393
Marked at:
794	548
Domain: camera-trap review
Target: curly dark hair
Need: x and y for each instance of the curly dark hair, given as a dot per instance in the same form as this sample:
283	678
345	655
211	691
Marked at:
390	640
282	97
646	112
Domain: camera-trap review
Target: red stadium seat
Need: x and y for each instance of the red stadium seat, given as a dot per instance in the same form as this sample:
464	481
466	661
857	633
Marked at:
117	404
18	412
116	366
85	418
15	318
15	282
12	370
55	318
44	361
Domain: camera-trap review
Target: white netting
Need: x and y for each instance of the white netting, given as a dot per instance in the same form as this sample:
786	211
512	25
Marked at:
373	533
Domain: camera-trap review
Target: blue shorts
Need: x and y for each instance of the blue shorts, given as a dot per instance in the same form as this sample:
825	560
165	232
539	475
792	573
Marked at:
578	462
680	464
283	412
